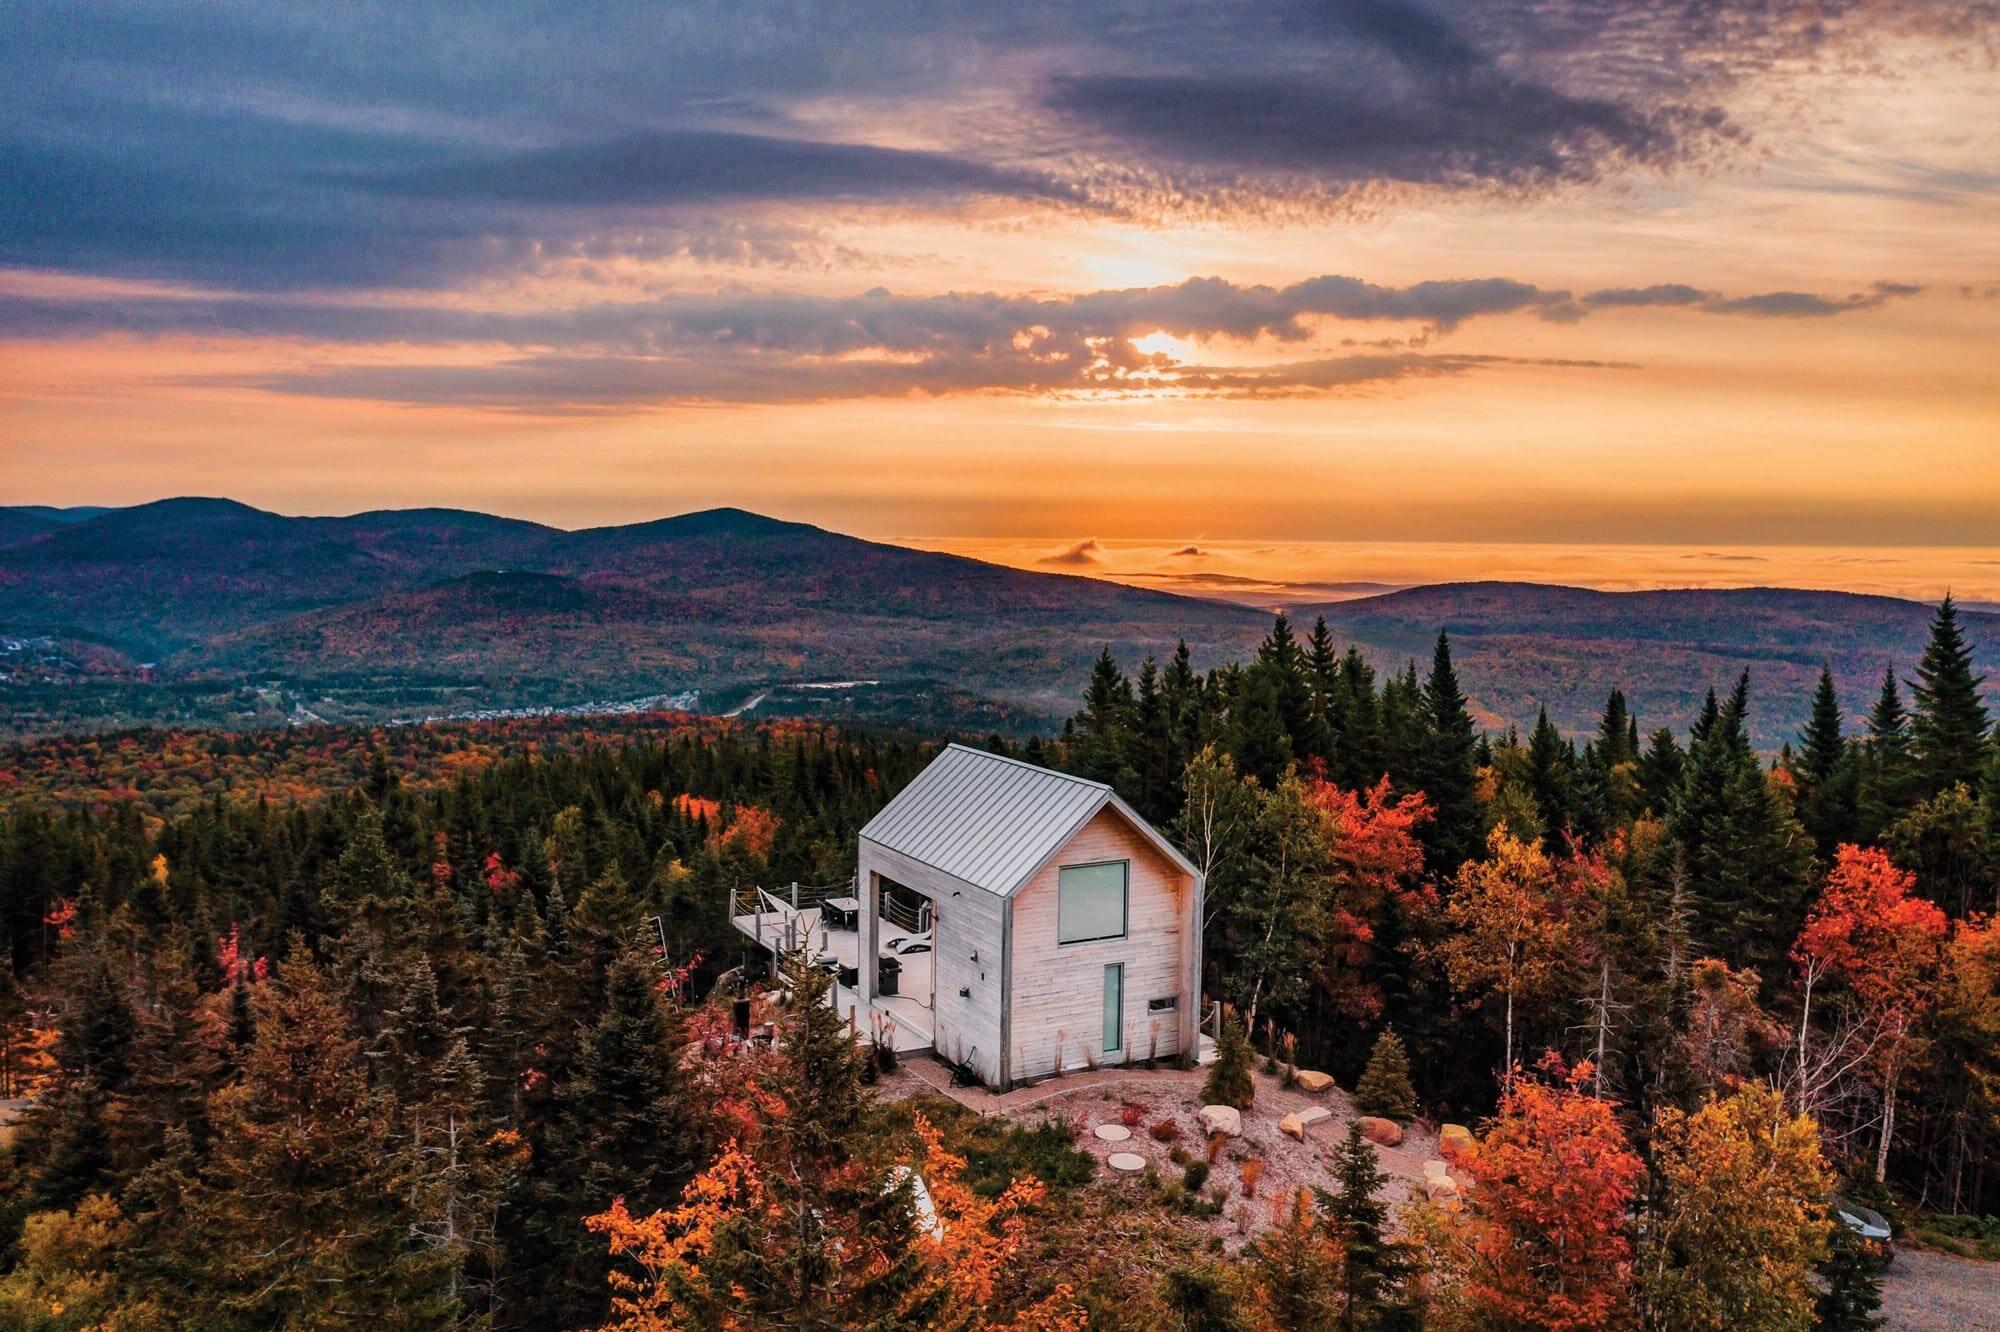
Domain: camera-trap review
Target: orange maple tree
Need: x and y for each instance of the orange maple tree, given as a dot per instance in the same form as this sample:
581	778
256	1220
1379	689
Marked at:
1543	1240
691	1268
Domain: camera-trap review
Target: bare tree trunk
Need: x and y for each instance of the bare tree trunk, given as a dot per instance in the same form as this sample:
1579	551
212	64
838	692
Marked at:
1888	1123
1603	1024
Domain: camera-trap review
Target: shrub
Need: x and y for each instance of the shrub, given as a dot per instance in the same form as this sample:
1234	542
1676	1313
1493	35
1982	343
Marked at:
1196	1176
1229	1076
1252	1172
1164	1130
1131	1115
1385	1088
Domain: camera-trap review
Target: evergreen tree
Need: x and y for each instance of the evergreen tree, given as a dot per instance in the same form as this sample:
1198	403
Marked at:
295	1211
823	1063
1948	738
1746	856
1228	1081
1280	652
1102	745
1826	773
1448	774
1850	1296
1385	1088
1887	778
1660	773
1552	778
1258	738
1372	1269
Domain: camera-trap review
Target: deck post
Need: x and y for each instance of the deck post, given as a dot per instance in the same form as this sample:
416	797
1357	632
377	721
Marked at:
795	894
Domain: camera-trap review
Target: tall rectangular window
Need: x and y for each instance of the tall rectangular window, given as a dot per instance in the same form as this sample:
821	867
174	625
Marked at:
1090	902
1114	1008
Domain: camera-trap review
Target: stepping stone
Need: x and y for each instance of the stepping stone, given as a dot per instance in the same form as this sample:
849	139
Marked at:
1295	1124
1382	1132
1311	1080
1223	1119
1126	1163
1436	1170
1113	1132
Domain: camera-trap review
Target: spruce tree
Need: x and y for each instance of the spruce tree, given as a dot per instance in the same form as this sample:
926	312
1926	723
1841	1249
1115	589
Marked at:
1448	774
1228	1081
1746	857
1887	778
1660	773
1102	745
1385	1088
1948	733
1850	1296
1373	1268
1826	773
296	1210
1258	740
1552	778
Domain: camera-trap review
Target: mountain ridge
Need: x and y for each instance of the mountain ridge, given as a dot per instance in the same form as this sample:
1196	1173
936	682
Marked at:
359	615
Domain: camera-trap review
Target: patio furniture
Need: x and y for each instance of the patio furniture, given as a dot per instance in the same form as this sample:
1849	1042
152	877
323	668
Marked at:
843	913
888	973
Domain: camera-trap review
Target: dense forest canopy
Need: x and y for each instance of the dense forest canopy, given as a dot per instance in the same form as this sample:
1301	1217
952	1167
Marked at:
413	1027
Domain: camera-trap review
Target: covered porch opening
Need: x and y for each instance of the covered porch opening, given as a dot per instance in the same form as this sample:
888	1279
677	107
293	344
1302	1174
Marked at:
904	979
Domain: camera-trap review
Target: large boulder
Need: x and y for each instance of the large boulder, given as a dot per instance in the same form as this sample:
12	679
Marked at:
1295	1124
1223	1119
1382	1132
1455	1138
1313	1081
1436	1170
1442	1190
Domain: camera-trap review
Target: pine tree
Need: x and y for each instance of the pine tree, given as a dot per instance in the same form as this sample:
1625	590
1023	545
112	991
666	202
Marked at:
1746	857
1552	778
1850	1295
1385	1088
1888	778
295	1213
1228	1081
1660	772
823	1062
1372	1269
1948	736
1102	747
1258	738
1825	773
1448	774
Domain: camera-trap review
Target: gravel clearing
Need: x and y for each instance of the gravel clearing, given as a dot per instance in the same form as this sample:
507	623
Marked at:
1927	1291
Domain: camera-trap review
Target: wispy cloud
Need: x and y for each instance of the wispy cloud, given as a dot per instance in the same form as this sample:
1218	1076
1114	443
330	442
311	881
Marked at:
1081	555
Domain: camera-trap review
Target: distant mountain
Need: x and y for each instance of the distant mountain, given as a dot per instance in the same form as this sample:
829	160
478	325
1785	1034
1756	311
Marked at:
1520	646
384	613
249	617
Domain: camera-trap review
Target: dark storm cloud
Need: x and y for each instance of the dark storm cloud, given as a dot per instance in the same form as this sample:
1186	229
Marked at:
709	166
289	145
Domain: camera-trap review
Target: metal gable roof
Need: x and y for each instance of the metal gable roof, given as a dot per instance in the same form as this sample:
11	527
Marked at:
992	821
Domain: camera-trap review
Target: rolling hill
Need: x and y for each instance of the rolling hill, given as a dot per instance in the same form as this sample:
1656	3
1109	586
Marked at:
212	611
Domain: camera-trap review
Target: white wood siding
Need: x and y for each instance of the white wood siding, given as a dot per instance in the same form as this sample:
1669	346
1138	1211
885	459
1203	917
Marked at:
1059	988
965	954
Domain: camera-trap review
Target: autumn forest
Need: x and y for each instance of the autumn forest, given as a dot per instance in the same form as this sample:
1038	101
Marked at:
430	1026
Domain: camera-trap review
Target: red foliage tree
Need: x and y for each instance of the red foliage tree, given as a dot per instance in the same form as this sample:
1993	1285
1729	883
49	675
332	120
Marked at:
1870	932
1375	864
1543	1242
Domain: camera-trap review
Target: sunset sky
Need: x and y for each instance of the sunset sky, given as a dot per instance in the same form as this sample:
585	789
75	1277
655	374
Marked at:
1299	288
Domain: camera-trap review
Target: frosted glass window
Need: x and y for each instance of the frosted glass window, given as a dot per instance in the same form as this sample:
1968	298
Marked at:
1090	902
1114	1007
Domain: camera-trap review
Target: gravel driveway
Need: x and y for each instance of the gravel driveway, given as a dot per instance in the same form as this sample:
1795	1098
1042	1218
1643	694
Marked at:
1925	1290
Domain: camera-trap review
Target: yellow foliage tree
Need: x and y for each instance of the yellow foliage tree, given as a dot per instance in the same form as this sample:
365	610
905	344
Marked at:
1739	1222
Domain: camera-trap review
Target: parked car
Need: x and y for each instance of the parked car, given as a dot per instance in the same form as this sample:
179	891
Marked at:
1871	1226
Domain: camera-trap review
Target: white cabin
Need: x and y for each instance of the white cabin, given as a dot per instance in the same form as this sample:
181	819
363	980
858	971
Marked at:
1031	920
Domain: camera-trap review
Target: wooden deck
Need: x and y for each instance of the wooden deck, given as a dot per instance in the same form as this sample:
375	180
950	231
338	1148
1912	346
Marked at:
910	1010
